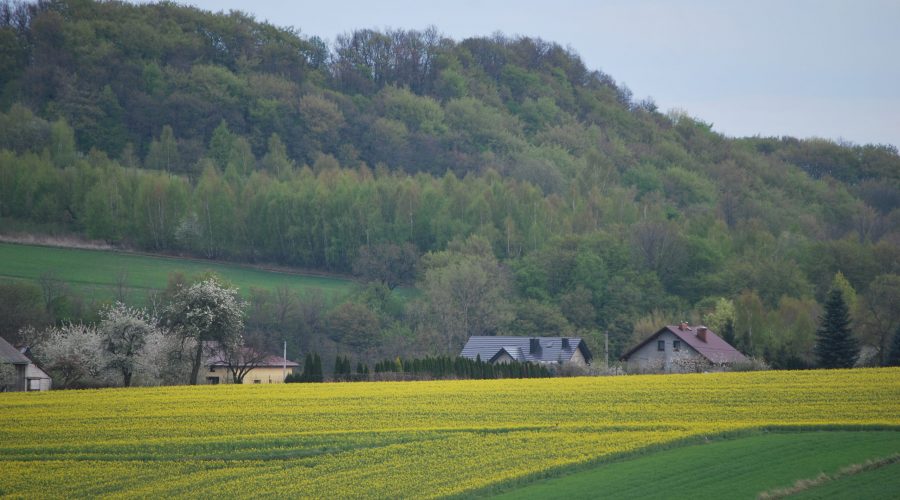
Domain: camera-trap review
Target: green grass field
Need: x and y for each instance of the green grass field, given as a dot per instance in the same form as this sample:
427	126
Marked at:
733	468
883	482
725	435
95	272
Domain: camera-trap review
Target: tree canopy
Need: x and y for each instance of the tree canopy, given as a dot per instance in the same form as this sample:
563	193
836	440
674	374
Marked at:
165	128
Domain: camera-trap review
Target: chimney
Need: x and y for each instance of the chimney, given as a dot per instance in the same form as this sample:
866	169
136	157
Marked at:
565	343
701	333
534	346
683	326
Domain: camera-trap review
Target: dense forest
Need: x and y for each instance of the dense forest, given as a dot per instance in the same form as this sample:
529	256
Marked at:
518	190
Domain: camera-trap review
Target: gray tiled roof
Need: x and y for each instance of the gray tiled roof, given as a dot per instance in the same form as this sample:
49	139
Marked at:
9	354
551	348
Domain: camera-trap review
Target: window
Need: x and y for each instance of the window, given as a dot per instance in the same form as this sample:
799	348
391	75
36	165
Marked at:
212	380
660	345
676	345
257	381
212	369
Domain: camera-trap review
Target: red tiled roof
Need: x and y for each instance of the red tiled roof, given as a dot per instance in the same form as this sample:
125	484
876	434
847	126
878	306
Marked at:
713	348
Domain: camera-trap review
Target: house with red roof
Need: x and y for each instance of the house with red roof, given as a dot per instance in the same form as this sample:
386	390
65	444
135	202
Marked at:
682	349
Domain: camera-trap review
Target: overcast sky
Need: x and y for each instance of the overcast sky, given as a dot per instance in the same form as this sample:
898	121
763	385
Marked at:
825	68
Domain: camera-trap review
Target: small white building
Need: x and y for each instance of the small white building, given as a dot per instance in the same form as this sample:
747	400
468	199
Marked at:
681	349
36	379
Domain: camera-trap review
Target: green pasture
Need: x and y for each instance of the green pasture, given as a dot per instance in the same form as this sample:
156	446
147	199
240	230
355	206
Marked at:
96	273
737	468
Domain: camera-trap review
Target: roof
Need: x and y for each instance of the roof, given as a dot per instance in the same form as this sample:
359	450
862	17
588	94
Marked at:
714	348
519	348
9	354
218	359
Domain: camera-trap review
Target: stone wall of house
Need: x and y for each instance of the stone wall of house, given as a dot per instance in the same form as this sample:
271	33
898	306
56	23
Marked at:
650	359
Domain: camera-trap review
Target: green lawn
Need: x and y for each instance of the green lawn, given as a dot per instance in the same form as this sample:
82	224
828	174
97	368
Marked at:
735	468
95	272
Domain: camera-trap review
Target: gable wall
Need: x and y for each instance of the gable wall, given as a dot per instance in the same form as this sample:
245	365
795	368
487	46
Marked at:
648	359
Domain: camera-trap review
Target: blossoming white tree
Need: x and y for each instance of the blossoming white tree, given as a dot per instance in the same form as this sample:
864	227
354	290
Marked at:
203	313
125	331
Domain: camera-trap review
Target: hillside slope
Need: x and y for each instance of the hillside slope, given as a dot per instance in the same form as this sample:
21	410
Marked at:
172	129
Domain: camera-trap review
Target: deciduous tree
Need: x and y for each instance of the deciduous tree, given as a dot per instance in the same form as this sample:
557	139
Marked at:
124	332
205	312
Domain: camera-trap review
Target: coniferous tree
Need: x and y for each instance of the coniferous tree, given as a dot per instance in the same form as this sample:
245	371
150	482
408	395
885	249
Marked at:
317	375
894	356
836	347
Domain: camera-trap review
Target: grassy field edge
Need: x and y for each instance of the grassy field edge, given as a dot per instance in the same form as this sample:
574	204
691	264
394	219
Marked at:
560	472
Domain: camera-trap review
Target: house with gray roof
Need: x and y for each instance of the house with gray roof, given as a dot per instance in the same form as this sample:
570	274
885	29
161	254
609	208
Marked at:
499	349
681	349
36	379
13	365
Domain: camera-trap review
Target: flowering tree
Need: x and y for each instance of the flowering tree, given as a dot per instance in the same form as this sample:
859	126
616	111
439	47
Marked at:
72	353
205	313
124	332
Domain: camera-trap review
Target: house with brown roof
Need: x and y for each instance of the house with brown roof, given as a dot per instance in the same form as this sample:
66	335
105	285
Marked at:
250	366
681	349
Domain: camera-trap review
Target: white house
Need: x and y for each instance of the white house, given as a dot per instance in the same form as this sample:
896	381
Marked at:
36	379
681	349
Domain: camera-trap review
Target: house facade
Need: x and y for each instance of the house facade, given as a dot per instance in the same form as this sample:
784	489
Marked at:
504	349
259	370
681	349
36	379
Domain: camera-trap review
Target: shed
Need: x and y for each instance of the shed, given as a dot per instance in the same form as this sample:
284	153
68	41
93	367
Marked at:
36	379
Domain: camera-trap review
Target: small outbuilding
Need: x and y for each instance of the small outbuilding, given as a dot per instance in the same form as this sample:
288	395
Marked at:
36	379
681	349
497	349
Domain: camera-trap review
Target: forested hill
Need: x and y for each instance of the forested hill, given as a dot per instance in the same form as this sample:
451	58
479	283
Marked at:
172	129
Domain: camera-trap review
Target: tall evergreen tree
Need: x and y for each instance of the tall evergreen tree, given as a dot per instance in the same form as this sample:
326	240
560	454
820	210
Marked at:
894	356
836	347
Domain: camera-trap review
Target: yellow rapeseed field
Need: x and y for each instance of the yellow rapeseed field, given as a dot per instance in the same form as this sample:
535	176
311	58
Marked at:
405	439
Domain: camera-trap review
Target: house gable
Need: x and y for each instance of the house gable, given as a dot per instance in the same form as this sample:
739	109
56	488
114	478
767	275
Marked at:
694	345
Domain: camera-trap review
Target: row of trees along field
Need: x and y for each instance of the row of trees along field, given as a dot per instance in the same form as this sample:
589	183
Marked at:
168	345
522	192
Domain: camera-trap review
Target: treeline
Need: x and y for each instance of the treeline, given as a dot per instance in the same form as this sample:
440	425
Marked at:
443	367
521	192
427	368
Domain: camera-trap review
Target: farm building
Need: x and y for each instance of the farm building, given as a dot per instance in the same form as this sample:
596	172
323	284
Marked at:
257	369
13	365
567	350
681	349
36	379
